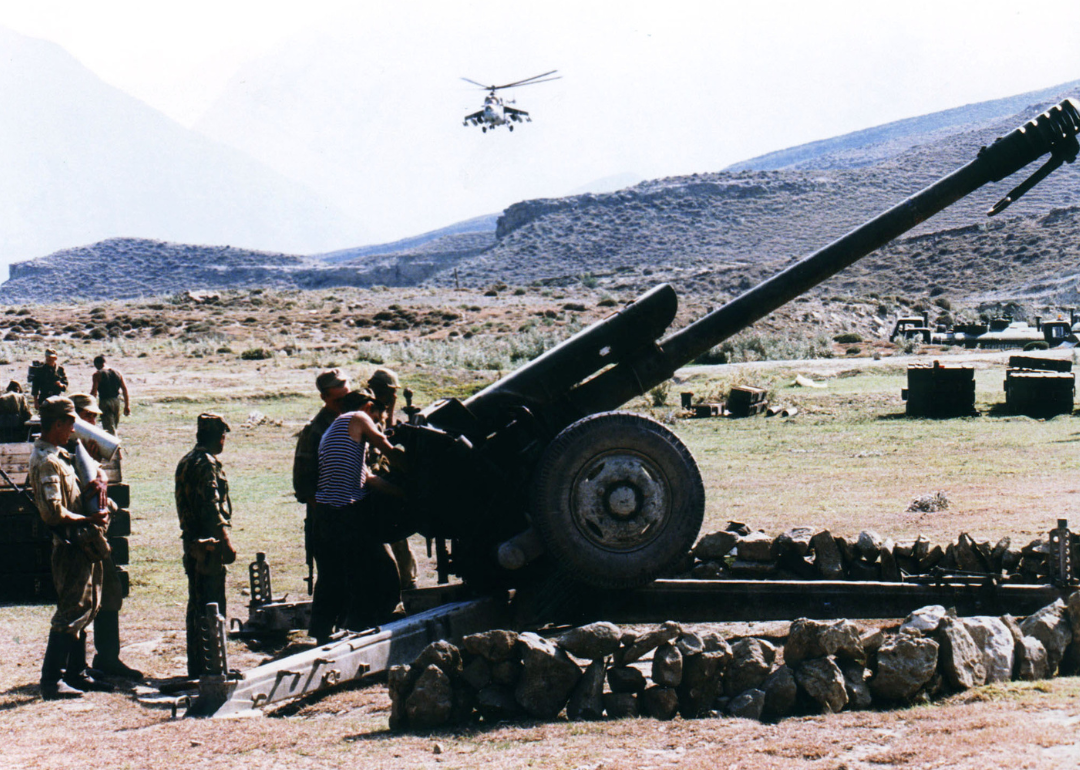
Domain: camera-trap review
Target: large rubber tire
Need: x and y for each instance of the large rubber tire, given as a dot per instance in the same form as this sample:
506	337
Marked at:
617	498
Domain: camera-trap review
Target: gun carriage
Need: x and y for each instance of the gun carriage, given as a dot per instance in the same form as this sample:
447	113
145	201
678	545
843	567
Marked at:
538	470
539	475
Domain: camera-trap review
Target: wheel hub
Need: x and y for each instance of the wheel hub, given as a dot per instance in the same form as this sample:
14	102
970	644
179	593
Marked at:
618	500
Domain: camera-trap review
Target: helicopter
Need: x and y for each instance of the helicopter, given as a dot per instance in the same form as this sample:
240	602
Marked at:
497	112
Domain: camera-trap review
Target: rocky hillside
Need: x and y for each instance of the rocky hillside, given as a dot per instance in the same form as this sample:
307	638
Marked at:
711	235
722	233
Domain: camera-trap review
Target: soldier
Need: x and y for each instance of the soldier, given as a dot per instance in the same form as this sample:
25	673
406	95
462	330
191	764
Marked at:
384	385
332	387
205	512
107	385
49	379
354	520
78	547
107	623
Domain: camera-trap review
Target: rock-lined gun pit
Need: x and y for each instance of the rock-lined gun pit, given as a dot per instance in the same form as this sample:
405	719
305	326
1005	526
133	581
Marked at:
602	671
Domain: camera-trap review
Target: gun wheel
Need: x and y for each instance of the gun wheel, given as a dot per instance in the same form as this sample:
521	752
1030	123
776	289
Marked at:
617	499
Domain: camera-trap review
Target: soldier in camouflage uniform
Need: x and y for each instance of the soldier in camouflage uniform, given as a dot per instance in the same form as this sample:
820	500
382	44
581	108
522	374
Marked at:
107	623
384	385
50	379
79	545
205	512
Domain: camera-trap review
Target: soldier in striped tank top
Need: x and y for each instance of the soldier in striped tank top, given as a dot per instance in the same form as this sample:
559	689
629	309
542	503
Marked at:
354	512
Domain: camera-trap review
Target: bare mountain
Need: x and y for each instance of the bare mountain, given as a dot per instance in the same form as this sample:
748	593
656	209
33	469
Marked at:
712	235
721	233
83	162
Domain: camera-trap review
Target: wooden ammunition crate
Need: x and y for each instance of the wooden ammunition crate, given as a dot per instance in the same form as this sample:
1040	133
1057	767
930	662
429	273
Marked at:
744	401
937	390
25	541
1040	363
1039	393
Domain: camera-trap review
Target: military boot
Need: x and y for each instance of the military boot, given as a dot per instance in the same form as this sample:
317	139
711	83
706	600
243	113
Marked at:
52	668
107	641
77	675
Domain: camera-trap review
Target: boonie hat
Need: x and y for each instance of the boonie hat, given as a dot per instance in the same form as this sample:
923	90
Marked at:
384	378
331	378
84	402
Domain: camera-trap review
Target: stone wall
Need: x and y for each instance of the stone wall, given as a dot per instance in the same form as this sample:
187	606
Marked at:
602	671
802	553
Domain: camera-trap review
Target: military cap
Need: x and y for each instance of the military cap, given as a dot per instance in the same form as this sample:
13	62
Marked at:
383	379
84	402
331	378
50	353
55	407
212	423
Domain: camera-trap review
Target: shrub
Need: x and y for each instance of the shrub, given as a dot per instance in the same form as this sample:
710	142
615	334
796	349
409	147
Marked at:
658	396
257	354
848	338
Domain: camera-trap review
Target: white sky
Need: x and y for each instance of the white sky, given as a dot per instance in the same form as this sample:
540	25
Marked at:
651	88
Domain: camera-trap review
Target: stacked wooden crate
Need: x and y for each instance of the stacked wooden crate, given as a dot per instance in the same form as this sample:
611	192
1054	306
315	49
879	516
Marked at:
940	390
1039	386
25	541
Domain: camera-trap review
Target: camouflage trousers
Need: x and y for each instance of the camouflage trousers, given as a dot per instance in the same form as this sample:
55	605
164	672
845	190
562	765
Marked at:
202	590
110	414
78	582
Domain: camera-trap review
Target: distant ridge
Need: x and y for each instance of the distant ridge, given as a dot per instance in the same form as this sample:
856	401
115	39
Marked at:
861	148
482	224
712	235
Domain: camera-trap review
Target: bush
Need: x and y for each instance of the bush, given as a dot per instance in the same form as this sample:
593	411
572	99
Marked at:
848	338
257	354
658	396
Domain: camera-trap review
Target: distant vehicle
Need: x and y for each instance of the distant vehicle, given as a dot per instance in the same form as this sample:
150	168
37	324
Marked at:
996	333
497	111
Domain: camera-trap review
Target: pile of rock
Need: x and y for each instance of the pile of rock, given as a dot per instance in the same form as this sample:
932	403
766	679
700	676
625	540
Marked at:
802	553
821	667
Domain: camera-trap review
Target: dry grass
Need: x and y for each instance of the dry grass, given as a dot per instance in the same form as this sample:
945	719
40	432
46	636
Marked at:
847	462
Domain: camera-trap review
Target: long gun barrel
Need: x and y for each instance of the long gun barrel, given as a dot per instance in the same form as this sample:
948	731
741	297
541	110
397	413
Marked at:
539	462
1053	131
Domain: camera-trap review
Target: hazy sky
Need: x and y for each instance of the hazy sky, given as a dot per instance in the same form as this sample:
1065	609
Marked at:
649	88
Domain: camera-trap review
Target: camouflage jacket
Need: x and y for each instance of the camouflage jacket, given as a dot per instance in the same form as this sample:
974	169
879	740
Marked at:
305	469
48	382
202	496
55	485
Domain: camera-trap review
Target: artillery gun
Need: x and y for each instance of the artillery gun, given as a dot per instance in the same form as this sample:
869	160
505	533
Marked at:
539	472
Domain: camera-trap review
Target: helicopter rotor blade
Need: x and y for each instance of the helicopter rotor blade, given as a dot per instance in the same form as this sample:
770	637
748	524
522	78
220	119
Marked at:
529	81
486	88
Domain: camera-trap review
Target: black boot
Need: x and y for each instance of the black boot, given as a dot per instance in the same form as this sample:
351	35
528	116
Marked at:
52	668
107	641
76	674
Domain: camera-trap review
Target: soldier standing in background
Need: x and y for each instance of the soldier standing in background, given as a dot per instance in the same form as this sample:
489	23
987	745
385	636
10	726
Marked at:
107	385
332	387
49	379
78	547
107	623
384	385
205	513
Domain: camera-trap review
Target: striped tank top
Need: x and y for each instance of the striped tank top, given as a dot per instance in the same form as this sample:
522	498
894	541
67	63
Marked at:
342	466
